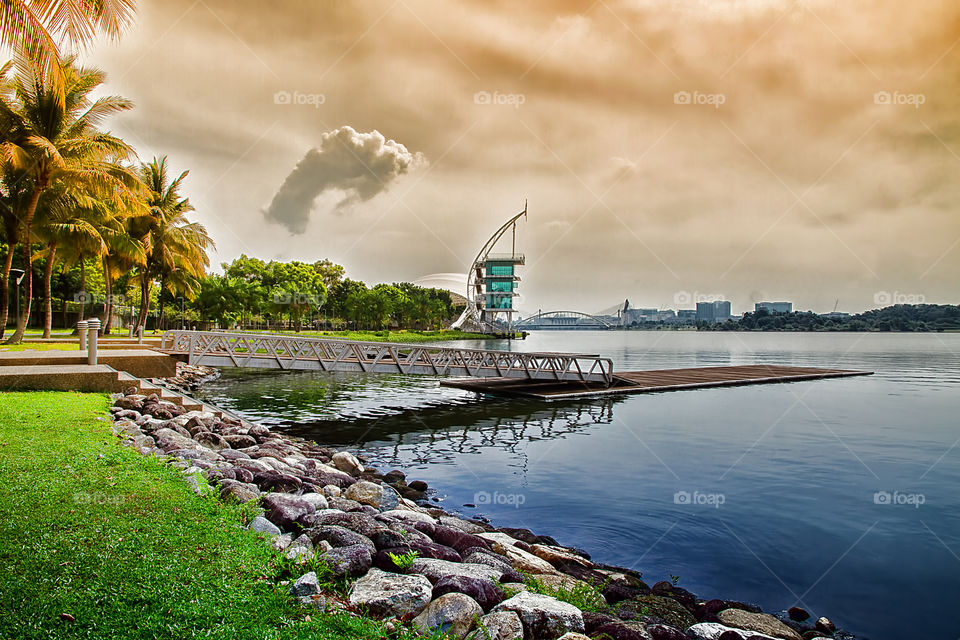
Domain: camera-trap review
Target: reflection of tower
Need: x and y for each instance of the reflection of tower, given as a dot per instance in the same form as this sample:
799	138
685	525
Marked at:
492	283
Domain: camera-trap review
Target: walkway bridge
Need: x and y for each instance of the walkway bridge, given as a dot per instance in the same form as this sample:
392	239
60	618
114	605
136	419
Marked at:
563	320
271	351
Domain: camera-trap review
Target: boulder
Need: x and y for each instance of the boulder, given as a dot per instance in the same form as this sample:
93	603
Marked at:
500	563
410	517
487	594
365	493
593	620
361	523
318	500
667	609
275	481
240	492
347	462
169	440
435	570
239	441
350	561
339	536
558	555
620	630
456	539
463	525
522	560
543	616
262	525
390	594
797	614
555	583
284	509
452	613
665	632
759	622
211	440
502	625
305	585
825	626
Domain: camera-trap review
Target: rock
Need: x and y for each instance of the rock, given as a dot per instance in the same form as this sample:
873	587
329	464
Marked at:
759	622
394	476
240	492
263	525
435	570
318	500
543	616
410	517
131	402
284	510
305	585
571	635
351	561
211	440
593	620
463	525
667	609
797	614
339	536
454	538
665	632
502	625
452	613
389	594
621	630
497	562
243	475
275	481
555	583
524	561
332	491
358	522
558	555
239	441
487	594
365	493
418	485
169	440
347	462
281	542
824	625
716	631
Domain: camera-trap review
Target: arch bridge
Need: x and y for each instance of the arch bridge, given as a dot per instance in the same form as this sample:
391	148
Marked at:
563	320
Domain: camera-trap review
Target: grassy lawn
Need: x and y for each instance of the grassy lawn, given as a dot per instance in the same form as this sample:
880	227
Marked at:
119	543
41	346
389	336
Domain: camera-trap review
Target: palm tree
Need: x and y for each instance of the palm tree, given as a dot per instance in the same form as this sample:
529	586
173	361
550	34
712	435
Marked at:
175	248
56	143
35	29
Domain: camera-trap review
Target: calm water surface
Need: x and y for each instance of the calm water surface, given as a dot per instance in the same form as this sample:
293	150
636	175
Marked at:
780	495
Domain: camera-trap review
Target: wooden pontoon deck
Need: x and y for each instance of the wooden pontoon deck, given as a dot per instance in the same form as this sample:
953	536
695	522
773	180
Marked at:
651	381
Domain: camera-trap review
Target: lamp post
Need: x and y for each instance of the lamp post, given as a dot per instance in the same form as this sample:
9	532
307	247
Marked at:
18	281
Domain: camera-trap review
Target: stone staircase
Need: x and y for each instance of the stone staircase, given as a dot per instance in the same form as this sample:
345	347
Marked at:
146	387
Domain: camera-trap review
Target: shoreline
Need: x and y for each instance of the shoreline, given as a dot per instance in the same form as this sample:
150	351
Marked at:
327	505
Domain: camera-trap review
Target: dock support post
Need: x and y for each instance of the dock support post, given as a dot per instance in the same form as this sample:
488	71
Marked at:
82	332
93	333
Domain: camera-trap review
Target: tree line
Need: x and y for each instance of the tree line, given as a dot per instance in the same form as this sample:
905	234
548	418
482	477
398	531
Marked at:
900	317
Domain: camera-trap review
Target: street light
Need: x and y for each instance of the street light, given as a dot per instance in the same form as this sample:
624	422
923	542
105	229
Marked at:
18	281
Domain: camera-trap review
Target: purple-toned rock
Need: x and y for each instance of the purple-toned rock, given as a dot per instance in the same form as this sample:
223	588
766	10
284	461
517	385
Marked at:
623	630
284	509
453	614
352	561
543	616
339	536
276	481
239	441
486	593
389	594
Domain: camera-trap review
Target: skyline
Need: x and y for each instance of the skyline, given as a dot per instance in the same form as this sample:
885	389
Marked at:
664	147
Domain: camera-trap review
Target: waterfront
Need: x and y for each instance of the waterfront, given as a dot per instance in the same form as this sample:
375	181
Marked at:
791	480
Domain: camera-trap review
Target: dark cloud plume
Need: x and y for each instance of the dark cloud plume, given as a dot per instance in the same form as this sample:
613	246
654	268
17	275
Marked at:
361	165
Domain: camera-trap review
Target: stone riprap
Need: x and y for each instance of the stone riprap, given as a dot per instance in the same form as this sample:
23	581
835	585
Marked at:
415	564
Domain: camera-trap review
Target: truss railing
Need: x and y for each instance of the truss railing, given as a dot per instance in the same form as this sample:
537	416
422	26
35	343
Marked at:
271	351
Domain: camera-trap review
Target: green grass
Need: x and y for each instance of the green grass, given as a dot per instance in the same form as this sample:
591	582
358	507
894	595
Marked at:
119	542
390	336
41	346
582	595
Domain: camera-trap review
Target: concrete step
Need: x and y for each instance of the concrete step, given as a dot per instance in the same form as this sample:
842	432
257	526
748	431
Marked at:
147	387
69	377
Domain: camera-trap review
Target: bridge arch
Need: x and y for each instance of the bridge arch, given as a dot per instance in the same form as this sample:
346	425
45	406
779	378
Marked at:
563	320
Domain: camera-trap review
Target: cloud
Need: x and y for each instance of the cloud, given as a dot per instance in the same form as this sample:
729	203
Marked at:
359	165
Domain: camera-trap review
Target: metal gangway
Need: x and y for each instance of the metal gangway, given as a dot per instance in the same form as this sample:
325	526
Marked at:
273	351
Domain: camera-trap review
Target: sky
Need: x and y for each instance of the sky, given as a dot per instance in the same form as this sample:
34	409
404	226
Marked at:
670	150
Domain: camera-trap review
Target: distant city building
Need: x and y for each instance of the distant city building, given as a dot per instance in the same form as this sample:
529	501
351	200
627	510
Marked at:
774	307
718	311
835	315
687	315
639	316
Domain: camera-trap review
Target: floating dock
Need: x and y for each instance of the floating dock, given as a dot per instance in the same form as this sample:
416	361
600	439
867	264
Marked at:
653	381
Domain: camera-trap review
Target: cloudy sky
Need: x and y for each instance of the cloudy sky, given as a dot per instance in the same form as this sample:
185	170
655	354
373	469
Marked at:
804	150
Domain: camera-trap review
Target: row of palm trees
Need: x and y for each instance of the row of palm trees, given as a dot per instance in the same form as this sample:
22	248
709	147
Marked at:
71	193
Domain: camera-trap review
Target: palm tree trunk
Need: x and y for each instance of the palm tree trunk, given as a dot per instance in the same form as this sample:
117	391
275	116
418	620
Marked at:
163	280
47	296
144	301
108	307
24	318
83	288
5	294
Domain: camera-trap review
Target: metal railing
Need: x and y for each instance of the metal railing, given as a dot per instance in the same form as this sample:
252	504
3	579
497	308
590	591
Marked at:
271	351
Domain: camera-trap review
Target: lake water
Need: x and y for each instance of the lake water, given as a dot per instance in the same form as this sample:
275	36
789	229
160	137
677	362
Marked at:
841	496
